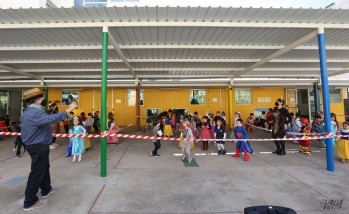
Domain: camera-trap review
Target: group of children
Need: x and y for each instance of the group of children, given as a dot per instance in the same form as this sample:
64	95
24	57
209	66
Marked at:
213	129
82	125
210	129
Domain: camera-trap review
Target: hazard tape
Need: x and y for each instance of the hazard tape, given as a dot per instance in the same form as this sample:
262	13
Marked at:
329	135
289	133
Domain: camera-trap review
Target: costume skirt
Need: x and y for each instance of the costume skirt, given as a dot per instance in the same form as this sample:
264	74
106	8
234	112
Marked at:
343	148
168	130
205	133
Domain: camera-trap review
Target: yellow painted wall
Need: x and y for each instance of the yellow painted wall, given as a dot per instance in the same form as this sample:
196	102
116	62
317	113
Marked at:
216	100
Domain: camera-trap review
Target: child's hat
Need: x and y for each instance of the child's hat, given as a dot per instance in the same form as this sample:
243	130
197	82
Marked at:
76	118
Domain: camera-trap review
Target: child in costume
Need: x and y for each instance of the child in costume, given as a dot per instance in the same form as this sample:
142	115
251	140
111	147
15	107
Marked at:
168	129
219	134
156	133
188	134
249	122
18	142
269	118
113	130
262	120
205	132
237	116
334	128
241	146
77	143
343	143
89	122
304	144
173	123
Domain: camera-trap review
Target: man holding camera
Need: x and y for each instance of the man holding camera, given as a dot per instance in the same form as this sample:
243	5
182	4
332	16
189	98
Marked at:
36	134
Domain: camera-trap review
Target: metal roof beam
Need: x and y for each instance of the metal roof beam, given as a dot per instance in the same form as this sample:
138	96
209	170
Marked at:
57	61
89	24
151	46
3	67
121	55
161	60
53	48
278	53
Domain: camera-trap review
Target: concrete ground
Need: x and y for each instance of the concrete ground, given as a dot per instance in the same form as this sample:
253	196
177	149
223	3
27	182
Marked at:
138	183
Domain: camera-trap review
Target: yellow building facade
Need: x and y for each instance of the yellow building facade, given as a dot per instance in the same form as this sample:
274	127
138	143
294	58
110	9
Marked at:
217	99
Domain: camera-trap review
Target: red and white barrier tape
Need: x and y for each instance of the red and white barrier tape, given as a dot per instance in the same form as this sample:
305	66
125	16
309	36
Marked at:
329	135
289	133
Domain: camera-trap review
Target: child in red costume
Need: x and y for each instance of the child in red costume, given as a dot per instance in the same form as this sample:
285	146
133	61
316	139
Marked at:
241	146
249	122
304	144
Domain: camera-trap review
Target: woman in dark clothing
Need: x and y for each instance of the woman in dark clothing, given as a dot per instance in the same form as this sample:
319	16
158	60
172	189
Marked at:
96	122
281	119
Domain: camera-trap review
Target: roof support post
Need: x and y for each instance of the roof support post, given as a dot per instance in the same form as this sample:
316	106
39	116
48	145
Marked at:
104	100
138	106
230	104
277	53
326	99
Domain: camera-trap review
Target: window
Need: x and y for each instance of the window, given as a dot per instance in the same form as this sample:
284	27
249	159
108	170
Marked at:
3	103
131	97
198	97
243	96
335	95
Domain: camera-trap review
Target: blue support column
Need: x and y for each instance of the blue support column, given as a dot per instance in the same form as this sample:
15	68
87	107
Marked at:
326	98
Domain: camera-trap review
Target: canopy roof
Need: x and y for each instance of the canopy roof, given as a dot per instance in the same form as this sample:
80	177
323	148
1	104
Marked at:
168	46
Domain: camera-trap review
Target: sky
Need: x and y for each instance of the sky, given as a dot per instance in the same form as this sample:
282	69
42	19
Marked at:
225	3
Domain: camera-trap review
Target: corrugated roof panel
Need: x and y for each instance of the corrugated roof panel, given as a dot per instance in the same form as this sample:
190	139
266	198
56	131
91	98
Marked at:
65	66
231	65
314	54
304	65
198	14
333	37
196	53
207	35
55	55
61	36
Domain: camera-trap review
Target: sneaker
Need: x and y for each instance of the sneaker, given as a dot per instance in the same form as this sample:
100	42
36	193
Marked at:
18	156
189	160
53	190
151	154
38	204
55	144
156	156
52	147
185	160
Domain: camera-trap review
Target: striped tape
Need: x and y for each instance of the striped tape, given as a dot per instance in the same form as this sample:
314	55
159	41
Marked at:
329	135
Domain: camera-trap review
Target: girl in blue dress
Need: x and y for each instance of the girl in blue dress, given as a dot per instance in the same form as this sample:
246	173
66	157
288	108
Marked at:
77	143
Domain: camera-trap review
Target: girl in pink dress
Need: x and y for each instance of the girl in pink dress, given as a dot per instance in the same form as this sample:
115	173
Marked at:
173	123
205	132
113	130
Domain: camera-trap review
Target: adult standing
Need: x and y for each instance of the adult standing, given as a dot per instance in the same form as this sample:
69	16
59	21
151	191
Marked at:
281	120
36	134
96	122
